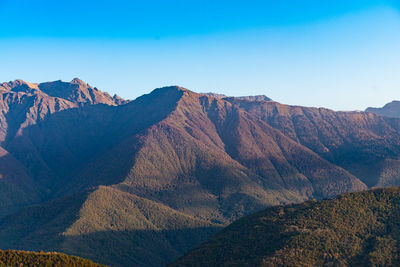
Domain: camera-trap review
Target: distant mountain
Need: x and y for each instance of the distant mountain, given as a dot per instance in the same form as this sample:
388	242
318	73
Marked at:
391	109
44	259
364	144
246	98
355	229
144	181
255	98
214	95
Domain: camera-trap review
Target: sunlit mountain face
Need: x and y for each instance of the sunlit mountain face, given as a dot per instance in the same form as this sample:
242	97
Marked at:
89	174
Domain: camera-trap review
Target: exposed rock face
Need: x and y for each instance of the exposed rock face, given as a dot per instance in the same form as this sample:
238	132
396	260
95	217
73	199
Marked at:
78	92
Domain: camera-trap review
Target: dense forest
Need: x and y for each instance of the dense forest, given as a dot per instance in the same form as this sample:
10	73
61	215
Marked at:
42	259
354	229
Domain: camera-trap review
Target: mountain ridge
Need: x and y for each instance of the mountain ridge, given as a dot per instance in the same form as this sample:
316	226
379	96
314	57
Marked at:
256	98
223	158
391	109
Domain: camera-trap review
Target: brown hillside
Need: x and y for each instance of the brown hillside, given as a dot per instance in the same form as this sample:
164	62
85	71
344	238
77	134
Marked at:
365	144
391	109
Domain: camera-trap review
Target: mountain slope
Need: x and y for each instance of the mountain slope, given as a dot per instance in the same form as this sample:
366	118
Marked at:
391	109
17	188
355	229
192	153
366	145
23	106
106	225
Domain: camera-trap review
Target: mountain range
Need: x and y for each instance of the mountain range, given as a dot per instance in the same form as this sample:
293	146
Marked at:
141	182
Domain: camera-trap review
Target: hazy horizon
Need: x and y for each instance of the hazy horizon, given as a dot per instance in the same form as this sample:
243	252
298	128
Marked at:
342	56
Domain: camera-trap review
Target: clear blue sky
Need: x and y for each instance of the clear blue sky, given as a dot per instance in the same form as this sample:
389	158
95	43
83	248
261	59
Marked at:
343	55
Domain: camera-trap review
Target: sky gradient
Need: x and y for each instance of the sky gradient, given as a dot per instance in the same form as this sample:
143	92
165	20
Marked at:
343	55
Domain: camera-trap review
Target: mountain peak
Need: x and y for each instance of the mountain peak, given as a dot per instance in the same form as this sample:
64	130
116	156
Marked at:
79	92
19	81
171	90
76	91
78	81
19	85
391	109
173	87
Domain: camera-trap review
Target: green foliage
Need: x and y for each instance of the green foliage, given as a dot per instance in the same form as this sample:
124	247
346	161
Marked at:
355	229
108	226
42	259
